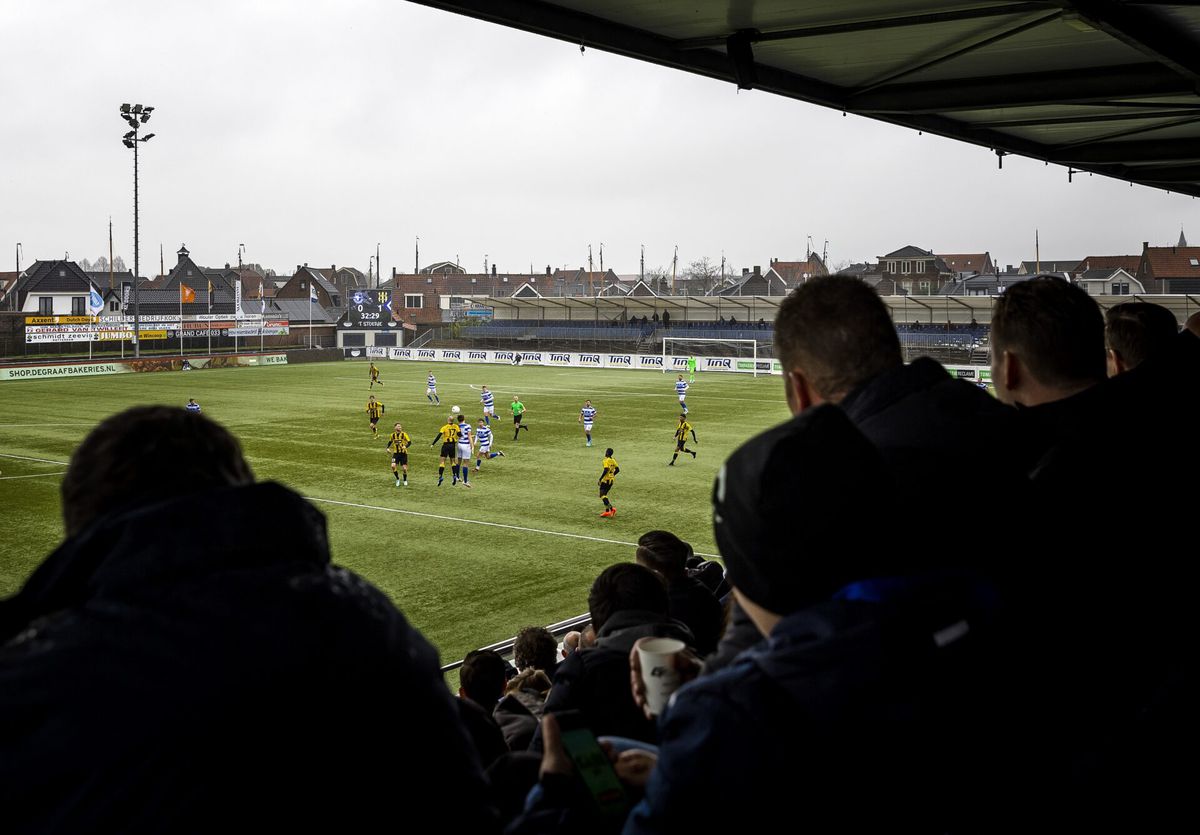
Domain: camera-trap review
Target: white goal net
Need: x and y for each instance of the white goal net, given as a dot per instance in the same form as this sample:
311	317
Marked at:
713	355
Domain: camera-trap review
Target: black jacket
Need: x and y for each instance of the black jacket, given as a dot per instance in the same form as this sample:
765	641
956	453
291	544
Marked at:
693	605
198	665
595	681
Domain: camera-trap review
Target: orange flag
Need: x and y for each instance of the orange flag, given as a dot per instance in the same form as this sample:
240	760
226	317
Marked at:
186	294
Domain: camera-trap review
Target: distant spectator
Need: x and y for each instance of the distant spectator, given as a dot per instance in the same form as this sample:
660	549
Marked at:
519	712
655	317
173	666
666	319
535	648
192	406
481	685
1134	331
691	602
626	602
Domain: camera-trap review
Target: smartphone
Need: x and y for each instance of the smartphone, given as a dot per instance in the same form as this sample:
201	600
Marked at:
592	764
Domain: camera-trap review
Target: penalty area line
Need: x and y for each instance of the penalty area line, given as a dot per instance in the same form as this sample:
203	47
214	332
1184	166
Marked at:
27	458
487	524
38	475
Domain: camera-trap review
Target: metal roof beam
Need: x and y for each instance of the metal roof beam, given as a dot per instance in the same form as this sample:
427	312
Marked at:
1078	119
871	24
1148	31
1160	151
1026	90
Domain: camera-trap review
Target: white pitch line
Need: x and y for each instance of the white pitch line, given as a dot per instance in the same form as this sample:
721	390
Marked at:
27	458
488	524
39	475
5	425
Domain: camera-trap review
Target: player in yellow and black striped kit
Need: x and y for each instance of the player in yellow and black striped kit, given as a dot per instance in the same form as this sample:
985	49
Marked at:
398	447
375	410
681	434
607	476
448	434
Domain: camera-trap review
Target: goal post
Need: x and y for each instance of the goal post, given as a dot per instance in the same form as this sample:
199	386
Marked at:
709	354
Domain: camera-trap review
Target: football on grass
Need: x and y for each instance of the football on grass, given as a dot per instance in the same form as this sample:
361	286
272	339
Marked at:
455	409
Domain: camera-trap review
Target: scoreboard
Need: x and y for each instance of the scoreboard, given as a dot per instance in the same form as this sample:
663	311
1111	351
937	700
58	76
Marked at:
370	309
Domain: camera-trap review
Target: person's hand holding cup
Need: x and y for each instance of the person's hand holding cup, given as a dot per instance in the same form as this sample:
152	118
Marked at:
657	668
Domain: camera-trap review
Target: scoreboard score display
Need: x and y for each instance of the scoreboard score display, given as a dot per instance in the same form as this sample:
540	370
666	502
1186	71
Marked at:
370	309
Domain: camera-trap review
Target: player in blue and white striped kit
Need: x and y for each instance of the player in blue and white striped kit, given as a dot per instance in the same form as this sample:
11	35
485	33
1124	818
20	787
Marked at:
587	416
681	388
431	390
489	405
483	440
464	448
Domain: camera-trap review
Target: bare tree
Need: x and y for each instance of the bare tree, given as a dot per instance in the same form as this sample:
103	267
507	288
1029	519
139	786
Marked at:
118	264
100	265
658	279
702	275
85	265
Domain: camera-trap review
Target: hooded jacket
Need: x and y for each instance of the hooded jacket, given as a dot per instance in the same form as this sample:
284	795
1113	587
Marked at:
199	665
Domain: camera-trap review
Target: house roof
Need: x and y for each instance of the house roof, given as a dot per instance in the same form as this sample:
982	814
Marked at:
1129	263
165	302
439	265
1173	261
971	262
297	310
793	272
769	280
1046	266
1103	274
54	277
909	251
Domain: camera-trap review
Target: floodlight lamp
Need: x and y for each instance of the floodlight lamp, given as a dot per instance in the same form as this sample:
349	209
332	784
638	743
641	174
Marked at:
145	117
147	137
147	109
137	108
128	143
125	108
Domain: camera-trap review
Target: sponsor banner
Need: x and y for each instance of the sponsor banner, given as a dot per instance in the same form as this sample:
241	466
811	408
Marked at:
237	299
377	352
563	359
981	373
39	372
270	329
59	320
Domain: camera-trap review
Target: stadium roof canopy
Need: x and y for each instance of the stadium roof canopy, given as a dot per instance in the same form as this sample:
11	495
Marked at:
1107	86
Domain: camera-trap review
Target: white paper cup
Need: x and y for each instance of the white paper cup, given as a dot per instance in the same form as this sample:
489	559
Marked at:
657	657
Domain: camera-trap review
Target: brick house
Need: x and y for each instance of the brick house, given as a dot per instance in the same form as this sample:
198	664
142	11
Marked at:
1170	269
916	271
965	265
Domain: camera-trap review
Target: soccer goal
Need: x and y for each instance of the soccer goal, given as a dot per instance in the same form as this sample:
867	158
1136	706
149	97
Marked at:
712	355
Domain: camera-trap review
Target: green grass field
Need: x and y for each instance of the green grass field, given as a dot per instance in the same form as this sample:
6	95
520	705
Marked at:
462	582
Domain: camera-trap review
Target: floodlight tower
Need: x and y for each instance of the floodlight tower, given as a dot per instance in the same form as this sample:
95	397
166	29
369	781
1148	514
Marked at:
136	115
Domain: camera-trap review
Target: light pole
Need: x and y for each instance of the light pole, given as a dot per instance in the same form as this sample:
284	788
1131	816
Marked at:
137	115
241	249
378	269
12	288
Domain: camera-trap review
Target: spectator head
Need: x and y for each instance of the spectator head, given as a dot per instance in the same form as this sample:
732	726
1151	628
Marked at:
833	333
535	647
148	454
482	678
786	531
1047	342
623	587
571	642
1136	330
663	553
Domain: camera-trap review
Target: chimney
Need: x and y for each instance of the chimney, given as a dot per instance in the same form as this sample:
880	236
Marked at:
547	269
393	275
757	269
183	253
493	276
745	271
1145	245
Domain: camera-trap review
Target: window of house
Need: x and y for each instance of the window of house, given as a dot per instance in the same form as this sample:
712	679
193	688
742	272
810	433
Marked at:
62	273
905	267
1195	262
46	305
920	266
924	288
78	306
189	272
414	300
114	306
891	267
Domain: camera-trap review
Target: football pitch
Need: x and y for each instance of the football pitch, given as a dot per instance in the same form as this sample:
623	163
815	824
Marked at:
467	566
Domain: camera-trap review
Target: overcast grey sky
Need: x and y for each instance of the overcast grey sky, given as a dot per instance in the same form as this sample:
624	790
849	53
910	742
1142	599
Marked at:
310	131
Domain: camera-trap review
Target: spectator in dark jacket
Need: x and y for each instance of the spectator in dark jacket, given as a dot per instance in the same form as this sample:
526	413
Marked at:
870	705
175	666
1135	331
481	685
535	653
626	602
690	601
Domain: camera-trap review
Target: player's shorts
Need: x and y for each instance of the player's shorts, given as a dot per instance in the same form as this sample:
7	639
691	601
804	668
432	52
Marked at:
517	419
374	421
489	410
447	450
587	427
485	449
682	398
605	486
431	389
679	445
464	451
400	458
